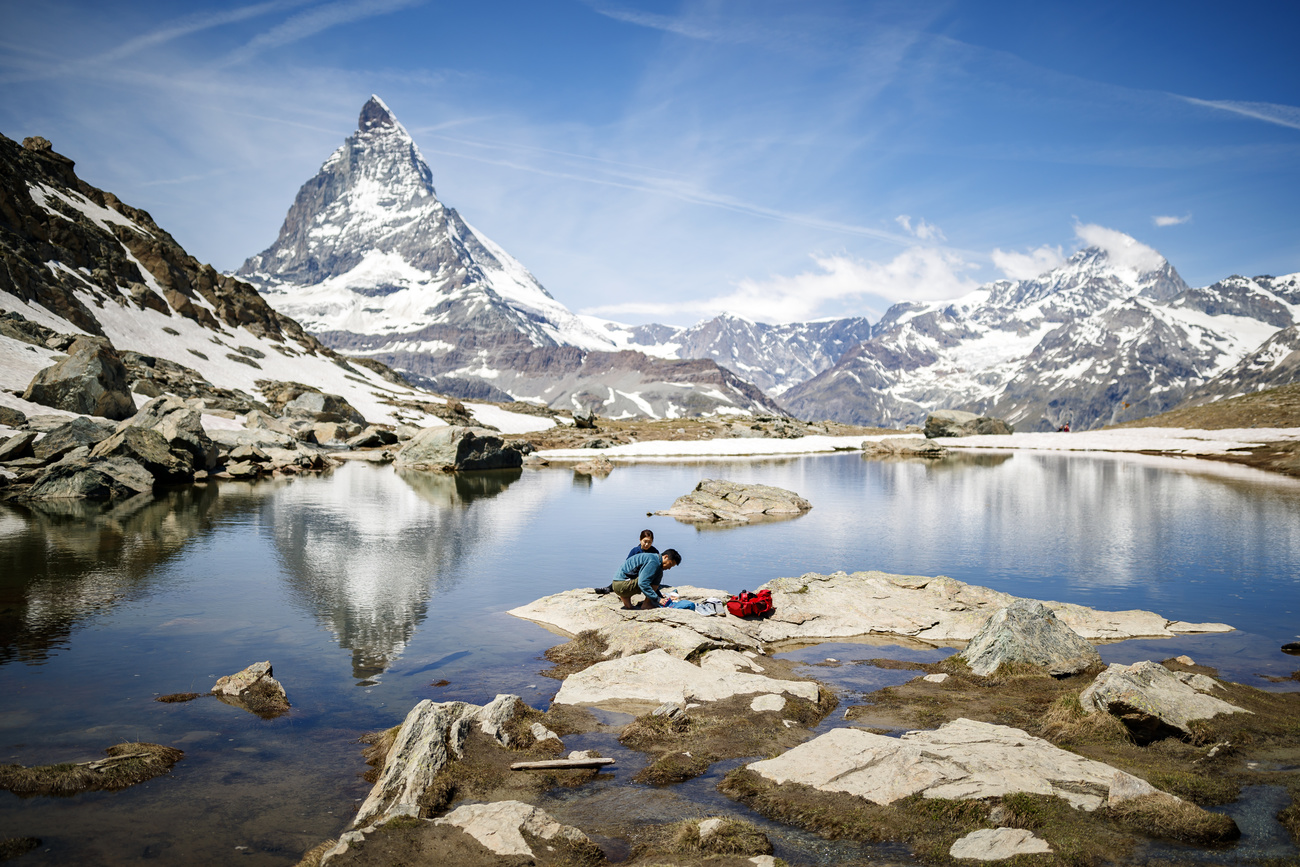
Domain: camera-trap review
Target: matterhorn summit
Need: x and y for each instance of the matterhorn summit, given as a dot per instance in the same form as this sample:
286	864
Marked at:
369	259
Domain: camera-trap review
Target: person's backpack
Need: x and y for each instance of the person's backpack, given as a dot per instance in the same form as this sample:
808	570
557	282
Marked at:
751	604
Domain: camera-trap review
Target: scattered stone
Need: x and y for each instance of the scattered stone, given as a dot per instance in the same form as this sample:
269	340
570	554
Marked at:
1027	631
1150	700
90	381
767	701
501	826
656	678
935	678
338	432
458	448
258	420
17	446
998	844
962	760
1185	660
81	431
407	431
247	452
956	423
903	447
542	733
597	466
255	690
717	500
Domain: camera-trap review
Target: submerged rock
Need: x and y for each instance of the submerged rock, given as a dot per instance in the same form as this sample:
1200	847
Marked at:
962	760
1027	631
1151	700
721	501
458	448
255	690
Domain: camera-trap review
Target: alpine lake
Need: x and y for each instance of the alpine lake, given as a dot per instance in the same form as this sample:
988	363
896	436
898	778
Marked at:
370	589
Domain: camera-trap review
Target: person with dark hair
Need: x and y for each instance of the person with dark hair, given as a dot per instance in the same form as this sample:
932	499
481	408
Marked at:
645	544
643	573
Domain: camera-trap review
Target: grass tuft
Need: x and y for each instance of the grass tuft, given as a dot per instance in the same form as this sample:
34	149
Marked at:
126	765
1172	819
177	697
585	650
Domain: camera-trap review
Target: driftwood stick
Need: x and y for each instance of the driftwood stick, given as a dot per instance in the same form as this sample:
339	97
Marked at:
560	763
99	763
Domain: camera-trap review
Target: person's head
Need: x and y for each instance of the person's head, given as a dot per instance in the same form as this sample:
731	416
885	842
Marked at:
647	540
672	558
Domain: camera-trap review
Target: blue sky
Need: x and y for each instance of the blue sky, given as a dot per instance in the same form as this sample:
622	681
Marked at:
663	161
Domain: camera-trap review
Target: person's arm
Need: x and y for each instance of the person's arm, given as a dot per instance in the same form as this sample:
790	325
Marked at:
649	572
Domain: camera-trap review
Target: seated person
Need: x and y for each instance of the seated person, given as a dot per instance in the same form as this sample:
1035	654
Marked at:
646	544
643	573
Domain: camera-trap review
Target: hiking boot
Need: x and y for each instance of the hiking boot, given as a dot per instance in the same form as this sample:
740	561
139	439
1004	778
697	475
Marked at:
601	591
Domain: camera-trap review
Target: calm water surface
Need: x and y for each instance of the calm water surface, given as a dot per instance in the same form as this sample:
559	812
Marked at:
365	587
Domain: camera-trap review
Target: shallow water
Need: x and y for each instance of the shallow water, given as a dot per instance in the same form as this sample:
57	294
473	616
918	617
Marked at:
367	586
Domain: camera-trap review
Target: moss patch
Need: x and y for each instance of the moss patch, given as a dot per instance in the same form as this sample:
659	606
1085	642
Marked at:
126	765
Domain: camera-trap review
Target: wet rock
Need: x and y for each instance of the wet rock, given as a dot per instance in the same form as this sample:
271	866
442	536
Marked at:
962	760
253	689
71	435
1150	700
180	425
918	447
998	844
458	448
76	477
1292	648
315	406
1027	631
148	449
842	605
653	678
432	735
956	423
501	826
91	381
718	500
17	446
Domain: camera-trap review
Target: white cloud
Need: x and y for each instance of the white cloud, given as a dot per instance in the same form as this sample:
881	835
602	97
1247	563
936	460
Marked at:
313	21
1269	112
1025	266
923	230
1124	251
1170	221
916	274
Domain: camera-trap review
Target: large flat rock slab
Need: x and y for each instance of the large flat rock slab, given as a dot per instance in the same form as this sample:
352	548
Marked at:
961	760
655	678
819	607
724	502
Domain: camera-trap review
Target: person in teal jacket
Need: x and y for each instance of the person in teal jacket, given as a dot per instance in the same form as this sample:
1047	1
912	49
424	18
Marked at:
643	573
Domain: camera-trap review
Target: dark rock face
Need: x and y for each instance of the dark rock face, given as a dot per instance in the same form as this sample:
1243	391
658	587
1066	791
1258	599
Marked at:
10	417
148	448
320	407
90	381
955	423
17	446
458	448
181	428
76	476
75	434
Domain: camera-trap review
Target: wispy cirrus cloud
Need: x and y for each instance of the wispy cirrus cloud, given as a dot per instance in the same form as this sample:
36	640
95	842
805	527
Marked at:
1163	221
1269	112
313	21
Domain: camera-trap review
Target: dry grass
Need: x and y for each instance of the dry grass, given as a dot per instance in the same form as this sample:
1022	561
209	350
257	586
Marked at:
671	768
126	765
1170	819
1065	723
584	651
732	837
1274	407
314	855
1290	815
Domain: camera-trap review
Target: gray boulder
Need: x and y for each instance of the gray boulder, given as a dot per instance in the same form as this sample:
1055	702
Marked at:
1028	631
148	449
75	434
10	417
258	420
91	381
1151	700
76	477
180	425
458	448
718	500
956	423
17	446
597	466
317	406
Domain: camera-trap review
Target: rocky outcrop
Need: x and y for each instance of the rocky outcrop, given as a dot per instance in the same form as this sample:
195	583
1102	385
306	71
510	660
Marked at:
316	406
501	826
903	447
655	678
458	448
78	433
1027	631
76	477
1151	700
253	689
721	501
956	423
17	446
148	449
998	844
842	605
180	425
962	760
431	736
90	381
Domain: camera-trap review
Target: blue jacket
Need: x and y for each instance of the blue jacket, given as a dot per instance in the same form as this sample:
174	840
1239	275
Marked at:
647	569
636	549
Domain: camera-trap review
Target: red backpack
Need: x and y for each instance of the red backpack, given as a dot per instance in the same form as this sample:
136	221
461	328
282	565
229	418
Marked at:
751	604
